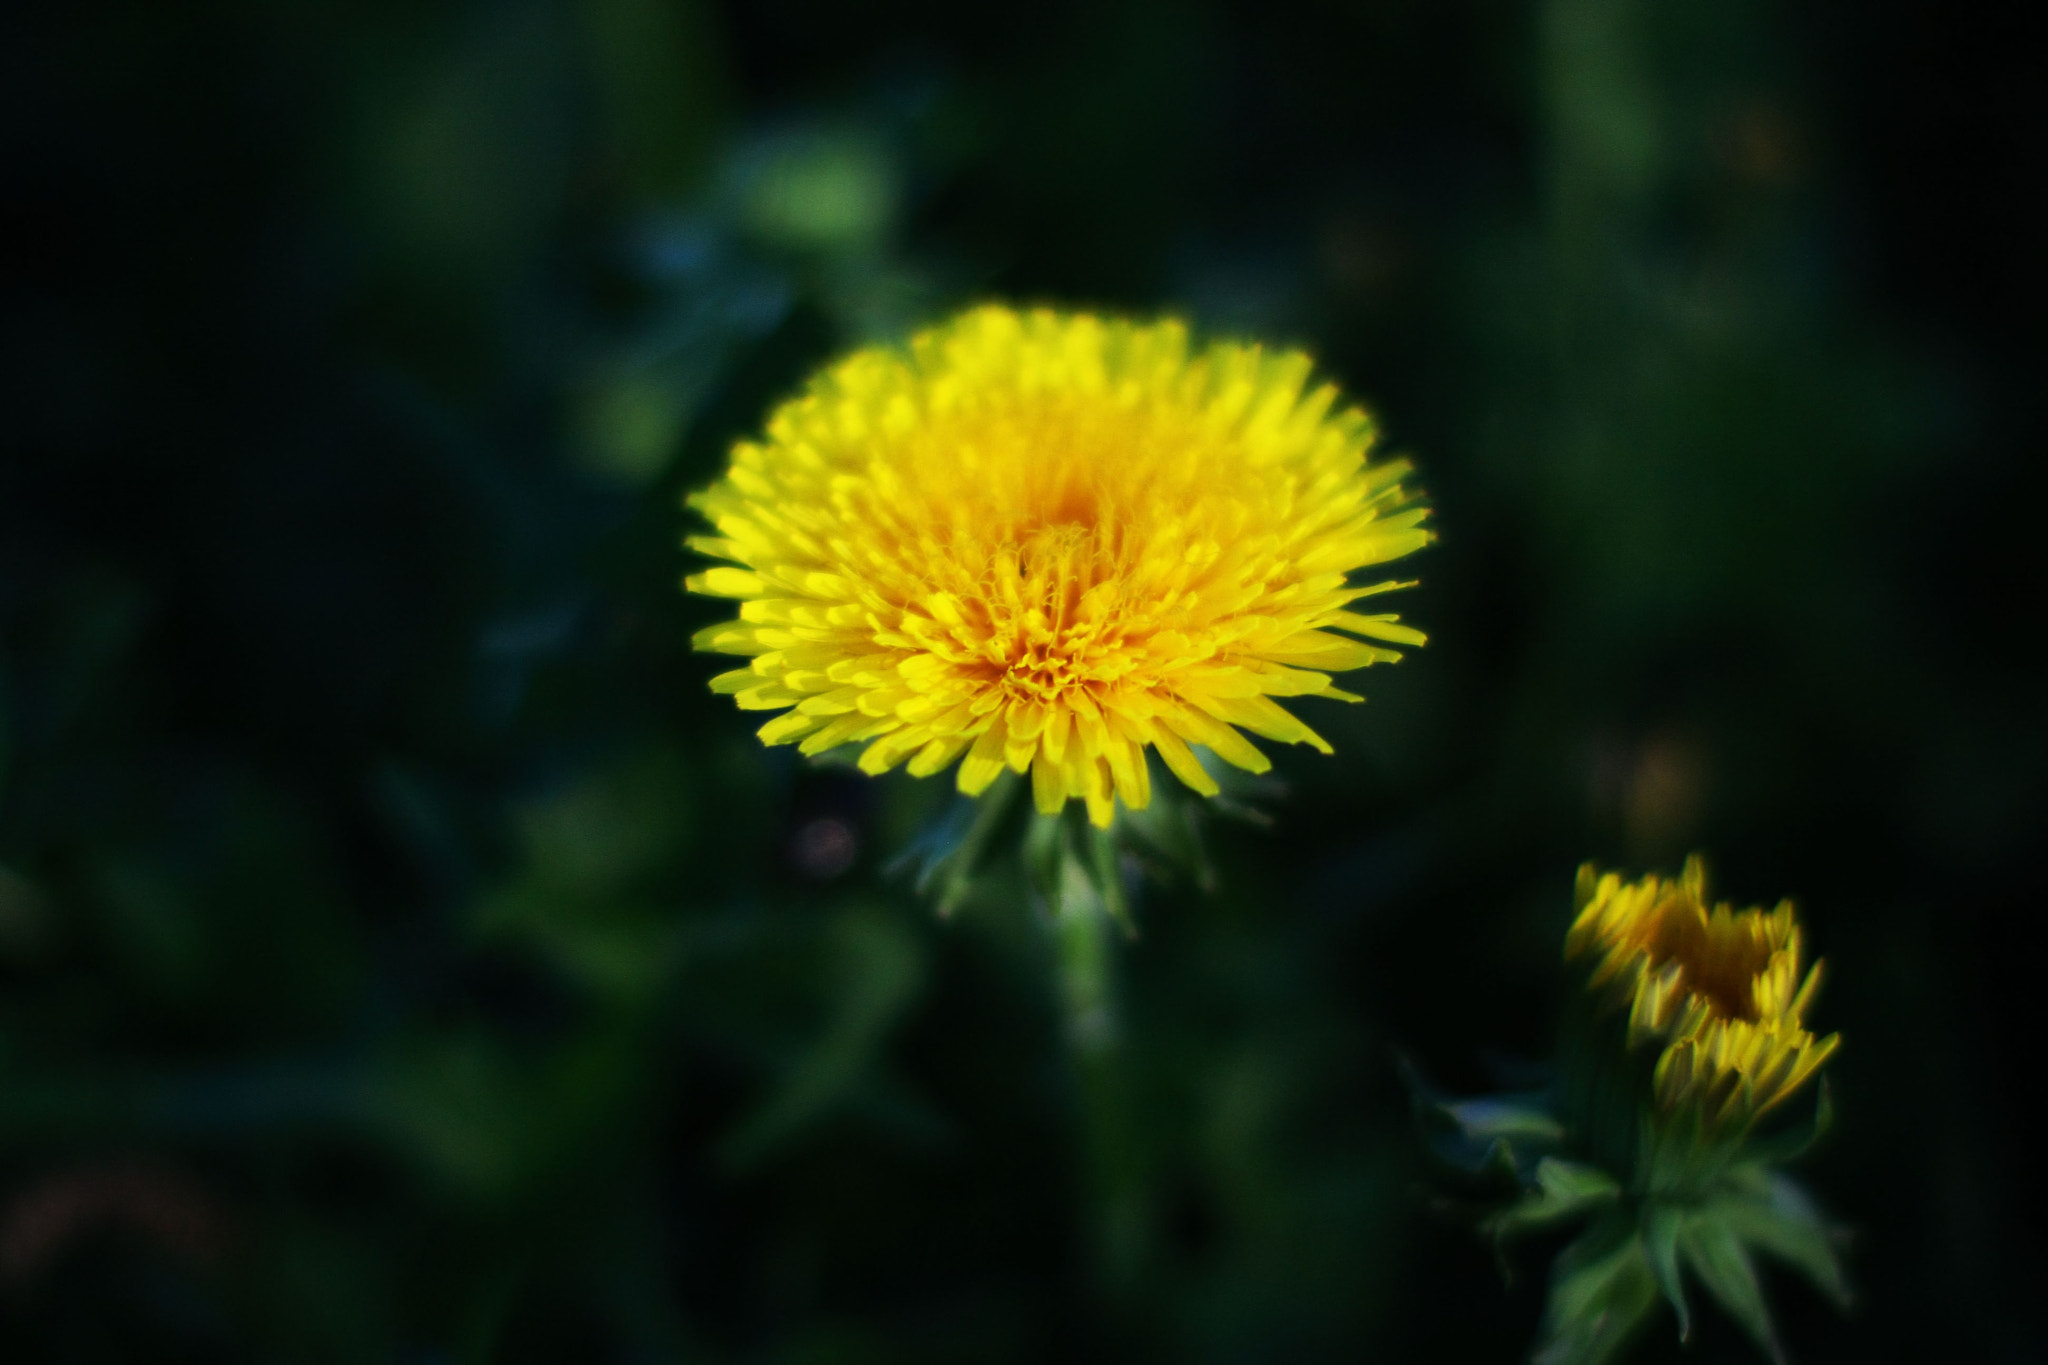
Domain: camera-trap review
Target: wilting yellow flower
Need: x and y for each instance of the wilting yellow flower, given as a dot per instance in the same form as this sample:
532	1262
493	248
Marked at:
1719	988
1047	541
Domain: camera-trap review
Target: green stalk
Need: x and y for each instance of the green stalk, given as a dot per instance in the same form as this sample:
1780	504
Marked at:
1075	866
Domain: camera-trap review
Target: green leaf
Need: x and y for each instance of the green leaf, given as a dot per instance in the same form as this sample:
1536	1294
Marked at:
1716	1256
1601	1291
1662	1224
1777	1217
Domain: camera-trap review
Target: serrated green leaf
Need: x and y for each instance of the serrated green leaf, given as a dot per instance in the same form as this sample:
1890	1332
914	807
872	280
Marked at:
1662	1224
1775	1215
1715	1254
1601	1291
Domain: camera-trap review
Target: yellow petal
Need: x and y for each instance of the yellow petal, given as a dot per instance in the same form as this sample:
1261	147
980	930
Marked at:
984	762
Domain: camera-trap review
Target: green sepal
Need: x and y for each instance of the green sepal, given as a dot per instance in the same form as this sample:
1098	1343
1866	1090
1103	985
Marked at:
1166	836
1663	1223
1518	1119
962	848
1714	1253
1563	1190
1601	1291
951	856
1780	1148
1075	875
1509	1134
1496	1135
1057	875
1070	861
1769	1211
1106	875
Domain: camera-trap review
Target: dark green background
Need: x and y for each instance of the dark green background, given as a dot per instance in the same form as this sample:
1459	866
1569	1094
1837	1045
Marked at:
403	958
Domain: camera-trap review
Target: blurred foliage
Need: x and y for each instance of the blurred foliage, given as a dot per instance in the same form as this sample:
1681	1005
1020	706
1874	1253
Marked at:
403	957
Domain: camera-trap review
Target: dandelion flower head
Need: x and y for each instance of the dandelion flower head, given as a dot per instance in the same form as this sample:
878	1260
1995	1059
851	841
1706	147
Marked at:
1719	989
1048	542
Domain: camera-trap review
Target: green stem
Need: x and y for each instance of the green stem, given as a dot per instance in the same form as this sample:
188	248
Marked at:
1082	924
1077	868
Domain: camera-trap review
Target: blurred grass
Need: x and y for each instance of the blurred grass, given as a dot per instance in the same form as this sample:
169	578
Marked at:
403	957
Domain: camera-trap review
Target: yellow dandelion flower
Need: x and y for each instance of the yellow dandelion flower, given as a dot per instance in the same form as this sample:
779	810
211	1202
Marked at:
1720	989
1047	542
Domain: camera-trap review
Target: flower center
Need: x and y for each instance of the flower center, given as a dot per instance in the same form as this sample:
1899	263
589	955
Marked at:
1720	956
1052	606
